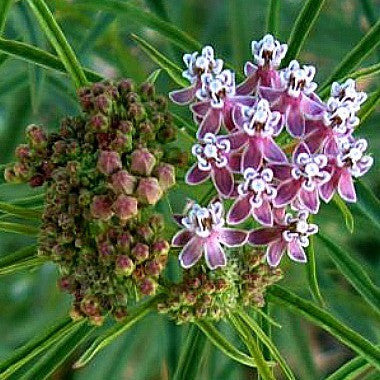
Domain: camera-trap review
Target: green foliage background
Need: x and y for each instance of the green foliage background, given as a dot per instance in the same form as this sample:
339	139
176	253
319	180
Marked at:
30	301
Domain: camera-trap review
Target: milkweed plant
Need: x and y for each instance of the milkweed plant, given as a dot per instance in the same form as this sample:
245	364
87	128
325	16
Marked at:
269	149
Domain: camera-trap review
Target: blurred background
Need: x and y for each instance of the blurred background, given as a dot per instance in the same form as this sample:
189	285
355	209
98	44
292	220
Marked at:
30	301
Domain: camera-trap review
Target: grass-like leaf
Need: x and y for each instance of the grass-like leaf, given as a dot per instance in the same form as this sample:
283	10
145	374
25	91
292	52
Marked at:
326	321
114	332
153	76
273	17
353	273
21	254
20	211
39	57
165	63
348	218
356	55
59	42
302	27
159	8
254	326
5	6
22	264
224	345
369	107
351	370
19	228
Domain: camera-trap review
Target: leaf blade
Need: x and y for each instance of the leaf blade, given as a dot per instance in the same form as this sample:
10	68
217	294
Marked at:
273	17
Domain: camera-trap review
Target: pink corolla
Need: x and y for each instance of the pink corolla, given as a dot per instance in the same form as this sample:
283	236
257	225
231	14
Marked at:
217	102
267	54
290	235
204	234
295	98
302	179
257	127
351	162
346	92
197	65
214	159
255	195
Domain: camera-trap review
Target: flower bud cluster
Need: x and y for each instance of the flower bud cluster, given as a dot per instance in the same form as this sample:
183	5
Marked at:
105	170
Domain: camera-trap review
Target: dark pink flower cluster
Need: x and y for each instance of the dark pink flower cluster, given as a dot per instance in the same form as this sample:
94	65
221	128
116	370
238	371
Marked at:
246	164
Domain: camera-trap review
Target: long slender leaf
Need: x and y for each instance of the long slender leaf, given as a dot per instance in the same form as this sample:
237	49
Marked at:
273	18
159	8
369	107
23	264
20	211
368	203
111	334
302	27
39	57
356	55
19	228
224	345
21	254
350	370
326	321
5	6
348	218
153	76
353	273
254	326
59	42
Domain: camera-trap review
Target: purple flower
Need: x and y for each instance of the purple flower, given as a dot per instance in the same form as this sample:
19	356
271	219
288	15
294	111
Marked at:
303	179
257	126
217	102
349	162
267	54
346	92
255	195
213	155
196	66
295	98
292	235
204	233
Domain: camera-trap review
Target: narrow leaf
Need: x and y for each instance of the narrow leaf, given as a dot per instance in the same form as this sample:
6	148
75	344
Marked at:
368	203
273	17
190	127
369	107
21	254
224	345
19	228
302	27
353	272
20	211
171	68
153	76
326	321
5	6
23	264
59	42
158	7
348	218
350	370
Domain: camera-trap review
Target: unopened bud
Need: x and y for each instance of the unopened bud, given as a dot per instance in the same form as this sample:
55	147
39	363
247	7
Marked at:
149	191
166	176
101	207
125	207
124	265
109	162
140	252
142	162
123	182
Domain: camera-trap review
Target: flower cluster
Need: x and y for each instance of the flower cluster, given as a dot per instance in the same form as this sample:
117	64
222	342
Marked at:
104	170
246	164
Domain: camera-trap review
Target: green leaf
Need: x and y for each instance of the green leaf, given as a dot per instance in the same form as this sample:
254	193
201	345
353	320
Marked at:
254	326
348	218
21	254
22	264
364	48
224	345
367	202
59	42
31	200
39	57
5	6
114	332
235	10
353	273
20	211
351	370
369	107
19	228
158	7
191	355
171	68
302	27
153	76
326	321
273	17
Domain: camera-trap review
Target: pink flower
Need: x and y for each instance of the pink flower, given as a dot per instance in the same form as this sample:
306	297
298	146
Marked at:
349	162
295	99
302	179
257	125
213	160
196	66
254	197
217	102
205	234
346	92
292	235
267	54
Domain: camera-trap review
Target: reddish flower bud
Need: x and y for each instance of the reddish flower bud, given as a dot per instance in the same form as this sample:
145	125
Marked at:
166	176
124	241
147	90
125	126
109	162
101	207
105	250
123	182
142	162
125	86
157	223
22	152
103	103
90	306
124	265
153	268
99	123
140	252
148	286
125	207
37	136
121	143
120	313
160	247
149	191
145	232
136	111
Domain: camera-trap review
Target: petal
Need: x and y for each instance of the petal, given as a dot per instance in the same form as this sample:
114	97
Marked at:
281	172
296	252
253	155
272	152
327	191
310	199
249	68
232	238
227	117
210	124
195	176
200	108
178	219
295	122
270	94
346	187
286	192
263	214
181	238
183	96
311	108
249	86
214	254
191	252
300	148
239	211
275	252
223	180
237	140
234	162
264	236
